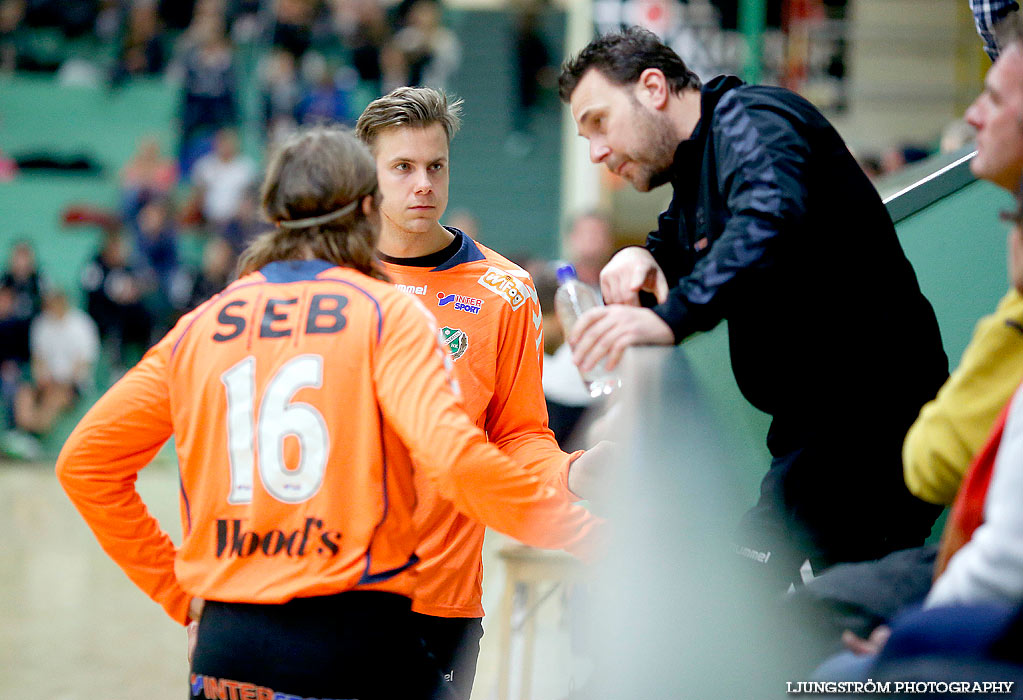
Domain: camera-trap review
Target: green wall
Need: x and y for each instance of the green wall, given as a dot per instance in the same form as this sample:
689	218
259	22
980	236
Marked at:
957	246
37	116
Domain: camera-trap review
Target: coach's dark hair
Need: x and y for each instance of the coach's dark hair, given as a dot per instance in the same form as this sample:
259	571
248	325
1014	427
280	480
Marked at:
417	107
621	57
316	172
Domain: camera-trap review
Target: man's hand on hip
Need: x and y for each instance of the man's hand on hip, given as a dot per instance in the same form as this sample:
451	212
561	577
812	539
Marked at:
605	332
631	271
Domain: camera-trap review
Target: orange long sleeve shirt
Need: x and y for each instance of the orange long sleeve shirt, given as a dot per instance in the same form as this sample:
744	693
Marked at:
299	399
492	324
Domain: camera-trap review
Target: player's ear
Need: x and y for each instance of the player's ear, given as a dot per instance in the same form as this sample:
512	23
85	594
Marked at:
370	203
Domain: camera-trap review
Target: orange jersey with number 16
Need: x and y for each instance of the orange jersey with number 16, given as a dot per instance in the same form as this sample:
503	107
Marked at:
297	397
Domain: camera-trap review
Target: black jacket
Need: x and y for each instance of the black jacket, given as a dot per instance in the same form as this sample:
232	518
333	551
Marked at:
774	227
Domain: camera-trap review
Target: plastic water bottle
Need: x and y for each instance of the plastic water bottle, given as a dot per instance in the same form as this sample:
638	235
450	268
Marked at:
571	301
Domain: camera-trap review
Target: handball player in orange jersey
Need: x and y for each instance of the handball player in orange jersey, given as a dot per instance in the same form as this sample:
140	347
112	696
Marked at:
299	399
491	322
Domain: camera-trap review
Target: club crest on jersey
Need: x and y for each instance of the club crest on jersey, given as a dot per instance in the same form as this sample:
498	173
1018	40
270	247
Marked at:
470	305
456	341
505	286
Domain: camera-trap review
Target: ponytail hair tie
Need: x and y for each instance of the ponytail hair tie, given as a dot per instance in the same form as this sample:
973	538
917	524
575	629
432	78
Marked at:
322	219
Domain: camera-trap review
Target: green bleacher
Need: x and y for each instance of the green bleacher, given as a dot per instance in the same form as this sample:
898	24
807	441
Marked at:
37	116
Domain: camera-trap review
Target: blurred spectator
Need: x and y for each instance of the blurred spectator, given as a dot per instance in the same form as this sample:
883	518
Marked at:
13	329
364	31
156	239
22	277
244	17
589	245
114	291
952	452
534	70
956	134
898	157
14	36
220	179
247	222
14	354
74	18
394	71
430	51
279	92
148	173
204	14
176	14
292	28
210	87
156	248
324	100
109	19
64	346
142	51
218	263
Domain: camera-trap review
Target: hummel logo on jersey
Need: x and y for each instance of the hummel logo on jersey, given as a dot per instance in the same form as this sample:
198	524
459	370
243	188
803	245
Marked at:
412	289
469	305
506	286
456	340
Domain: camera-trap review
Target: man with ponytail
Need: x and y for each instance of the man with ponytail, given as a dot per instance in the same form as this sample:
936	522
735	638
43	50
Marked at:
299	398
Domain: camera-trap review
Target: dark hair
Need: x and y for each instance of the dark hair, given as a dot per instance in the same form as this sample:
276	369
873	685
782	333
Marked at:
317	172
622	57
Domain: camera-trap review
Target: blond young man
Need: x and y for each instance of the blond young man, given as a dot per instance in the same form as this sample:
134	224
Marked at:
491	321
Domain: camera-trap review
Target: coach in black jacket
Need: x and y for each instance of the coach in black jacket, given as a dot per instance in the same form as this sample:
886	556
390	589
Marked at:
774	227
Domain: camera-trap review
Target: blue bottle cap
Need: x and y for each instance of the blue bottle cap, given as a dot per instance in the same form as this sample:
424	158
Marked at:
566	272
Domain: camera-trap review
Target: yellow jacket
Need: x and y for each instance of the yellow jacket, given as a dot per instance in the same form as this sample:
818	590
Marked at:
951	429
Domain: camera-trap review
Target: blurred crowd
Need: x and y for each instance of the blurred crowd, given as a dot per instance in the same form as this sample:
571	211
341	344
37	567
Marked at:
312	61
48	351
382	43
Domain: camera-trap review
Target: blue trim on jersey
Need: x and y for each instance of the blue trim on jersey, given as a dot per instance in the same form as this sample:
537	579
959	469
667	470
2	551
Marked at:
188	507
383	575
468	252
285	271
380	313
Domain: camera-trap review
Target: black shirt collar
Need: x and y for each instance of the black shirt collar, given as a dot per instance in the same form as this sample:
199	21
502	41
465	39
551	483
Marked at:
435	259
690	150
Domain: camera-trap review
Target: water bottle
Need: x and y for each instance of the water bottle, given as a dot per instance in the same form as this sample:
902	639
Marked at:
571	301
